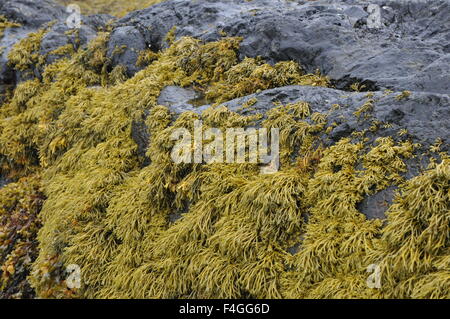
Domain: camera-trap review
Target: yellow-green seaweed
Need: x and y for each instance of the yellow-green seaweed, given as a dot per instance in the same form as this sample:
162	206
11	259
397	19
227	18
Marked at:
150	228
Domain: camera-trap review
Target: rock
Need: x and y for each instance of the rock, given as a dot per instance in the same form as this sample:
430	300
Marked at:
34	15
178	99
3	182
31	14
355	14
124	46
426	116
10	37
409	51
375	206
57	35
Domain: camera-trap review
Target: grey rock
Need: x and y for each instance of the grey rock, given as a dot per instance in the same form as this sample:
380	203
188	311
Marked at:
426	116
33	15
375	206
11	36
4	181
407	53
355	14
178	99
57	35
124	46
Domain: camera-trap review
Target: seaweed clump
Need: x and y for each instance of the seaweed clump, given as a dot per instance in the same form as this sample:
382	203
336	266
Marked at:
113	7
4	24
20	204
414	254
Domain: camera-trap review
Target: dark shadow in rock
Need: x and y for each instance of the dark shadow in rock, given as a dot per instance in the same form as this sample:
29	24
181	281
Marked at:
4	181
139	134
345	84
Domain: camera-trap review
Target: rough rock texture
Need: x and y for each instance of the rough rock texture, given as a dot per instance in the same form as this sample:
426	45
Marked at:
178	99
124	47
426	116
56	37
376	205
409	52
32	13
32	16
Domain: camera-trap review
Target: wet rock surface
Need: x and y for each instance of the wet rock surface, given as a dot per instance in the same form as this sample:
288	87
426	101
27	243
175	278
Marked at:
179	99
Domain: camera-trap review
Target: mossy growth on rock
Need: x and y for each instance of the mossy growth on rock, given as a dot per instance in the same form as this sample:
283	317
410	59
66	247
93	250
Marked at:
117	8
142	226
4	24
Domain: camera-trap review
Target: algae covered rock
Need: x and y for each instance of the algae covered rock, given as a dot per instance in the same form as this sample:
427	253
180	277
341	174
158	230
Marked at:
406	52
362	115
425	116
54	38
29	16
124	47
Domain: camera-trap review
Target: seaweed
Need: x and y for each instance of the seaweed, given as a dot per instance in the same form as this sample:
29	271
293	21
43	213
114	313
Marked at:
150	228
5	24
20	204
113	7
